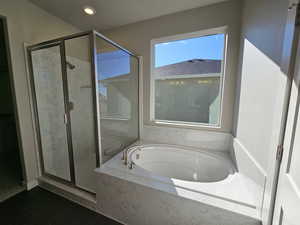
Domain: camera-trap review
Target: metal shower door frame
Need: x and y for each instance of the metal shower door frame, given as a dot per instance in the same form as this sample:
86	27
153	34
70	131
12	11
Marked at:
61	43
94	35
96	107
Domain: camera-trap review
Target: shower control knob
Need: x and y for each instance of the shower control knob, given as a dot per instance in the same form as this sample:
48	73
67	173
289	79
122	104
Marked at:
71	106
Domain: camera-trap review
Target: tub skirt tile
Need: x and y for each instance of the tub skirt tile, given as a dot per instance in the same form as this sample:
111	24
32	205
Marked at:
135	204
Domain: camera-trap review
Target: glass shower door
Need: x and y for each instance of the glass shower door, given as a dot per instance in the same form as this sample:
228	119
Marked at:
51	110
82	111
65	99
117	72
83	85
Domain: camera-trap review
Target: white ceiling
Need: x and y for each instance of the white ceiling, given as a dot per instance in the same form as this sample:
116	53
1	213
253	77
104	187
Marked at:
113	13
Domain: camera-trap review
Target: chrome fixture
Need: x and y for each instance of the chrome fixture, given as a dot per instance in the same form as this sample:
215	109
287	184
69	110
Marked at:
131	165
125	156
70	65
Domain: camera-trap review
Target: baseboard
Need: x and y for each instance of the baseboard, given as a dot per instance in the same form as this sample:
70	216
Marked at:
11	193
31	184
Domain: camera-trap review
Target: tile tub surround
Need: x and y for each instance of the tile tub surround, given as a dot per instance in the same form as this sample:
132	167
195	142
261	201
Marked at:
136	198
212	140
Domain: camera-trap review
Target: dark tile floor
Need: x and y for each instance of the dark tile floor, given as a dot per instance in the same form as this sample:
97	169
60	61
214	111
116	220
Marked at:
40	207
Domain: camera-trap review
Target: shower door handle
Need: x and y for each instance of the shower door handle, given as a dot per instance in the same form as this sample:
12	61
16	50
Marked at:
65	118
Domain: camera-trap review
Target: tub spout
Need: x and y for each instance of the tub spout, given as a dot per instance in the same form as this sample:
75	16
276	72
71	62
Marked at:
125	156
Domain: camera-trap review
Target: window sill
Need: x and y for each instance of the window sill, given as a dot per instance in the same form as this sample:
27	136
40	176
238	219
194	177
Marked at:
175	124
115	119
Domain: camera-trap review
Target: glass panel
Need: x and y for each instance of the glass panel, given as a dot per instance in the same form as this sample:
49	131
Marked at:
118	98
80	90
47	73
187	77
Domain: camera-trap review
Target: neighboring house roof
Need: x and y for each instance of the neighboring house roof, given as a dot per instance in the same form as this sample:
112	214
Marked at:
190	67
123	77
102	97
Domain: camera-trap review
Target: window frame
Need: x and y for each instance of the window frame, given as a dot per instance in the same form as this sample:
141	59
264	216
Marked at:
207	32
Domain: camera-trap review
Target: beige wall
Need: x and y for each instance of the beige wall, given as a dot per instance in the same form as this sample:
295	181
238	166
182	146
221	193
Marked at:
261	81
30	24
136	37
261	86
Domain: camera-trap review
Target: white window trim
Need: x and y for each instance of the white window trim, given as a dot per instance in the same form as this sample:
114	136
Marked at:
153	42
189	76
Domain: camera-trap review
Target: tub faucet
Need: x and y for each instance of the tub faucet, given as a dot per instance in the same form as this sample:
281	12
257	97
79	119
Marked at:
125	156
131	165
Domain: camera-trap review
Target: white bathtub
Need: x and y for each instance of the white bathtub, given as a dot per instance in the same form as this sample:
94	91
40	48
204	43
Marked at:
199	180
180	163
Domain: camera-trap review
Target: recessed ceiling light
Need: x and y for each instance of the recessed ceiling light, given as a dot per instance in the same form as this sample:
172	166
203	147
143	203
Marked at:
89	10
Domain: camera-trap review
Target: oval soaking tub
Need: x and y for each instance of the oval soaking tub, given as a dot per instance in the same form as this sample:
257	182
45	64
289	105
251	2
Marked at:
179	163
174	179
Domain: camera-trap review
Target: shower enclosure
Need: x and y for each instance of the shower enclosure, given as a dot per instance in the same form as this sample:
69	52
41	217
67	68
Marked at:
85	92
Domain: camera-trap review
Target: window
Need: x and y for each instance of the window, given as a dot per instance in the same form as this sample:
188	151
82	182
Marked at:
187	74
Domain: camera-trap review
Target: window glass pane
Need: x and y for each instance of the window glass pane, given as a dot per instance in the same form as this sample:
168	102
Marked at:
187	77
